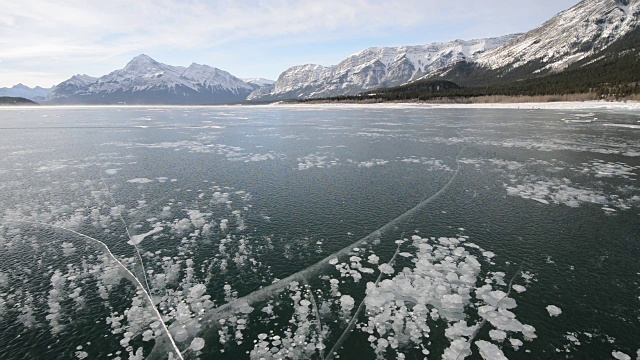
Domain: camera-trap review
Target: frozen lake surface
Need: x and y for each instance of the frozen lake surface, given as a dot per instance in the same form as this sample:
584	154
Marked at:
319	232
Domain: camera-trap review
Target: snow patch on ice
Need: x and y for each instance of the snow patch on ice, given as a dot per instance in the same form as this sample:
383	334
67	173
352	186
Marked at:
140	181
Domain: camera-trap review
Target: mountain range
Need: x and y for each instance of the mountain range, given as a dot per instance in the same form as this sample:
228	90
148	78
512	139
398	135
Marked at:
374	68
23	91
587	36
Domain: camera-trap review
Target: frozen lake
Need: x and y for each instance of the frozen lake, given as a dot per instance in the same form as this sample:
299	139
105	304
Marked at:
319	232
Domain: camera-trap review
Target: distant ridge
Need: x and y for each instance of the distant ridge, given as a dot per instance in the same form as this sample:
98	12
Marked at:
23	91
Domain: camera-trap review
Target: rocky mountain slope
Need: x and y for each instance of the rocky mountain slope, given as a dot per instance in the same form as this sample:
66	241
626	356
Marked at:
373	68
580	32
146	81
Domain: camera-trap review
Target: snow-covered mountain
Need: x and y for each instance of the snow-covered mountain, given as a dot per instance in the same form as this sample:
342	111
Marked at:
375	67
572	35
36	94
583	32
146	81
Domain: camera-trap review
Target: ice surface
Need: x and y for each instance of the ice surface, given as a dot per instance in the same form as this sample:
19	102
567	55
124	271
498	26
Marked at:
177	274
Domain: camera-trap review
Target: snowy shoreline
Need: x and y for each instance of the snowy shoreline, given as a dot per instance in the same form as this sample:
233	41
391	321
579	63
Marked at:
566	105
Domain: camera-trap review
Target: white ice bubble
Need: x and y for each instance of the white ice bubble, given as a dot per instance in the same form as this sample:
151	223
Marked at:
519	288
620	355
554	310
68	249
497	335
386	269
516	344
347	303
197	344
489	351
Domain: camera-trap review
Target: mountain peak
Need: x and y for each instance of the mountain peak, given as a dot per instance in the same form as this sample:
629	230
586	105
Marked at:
143	58
141	61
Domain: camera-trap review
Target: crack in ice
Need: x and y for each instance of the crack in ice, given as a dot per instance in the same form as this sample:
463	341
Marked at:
131	276
268	291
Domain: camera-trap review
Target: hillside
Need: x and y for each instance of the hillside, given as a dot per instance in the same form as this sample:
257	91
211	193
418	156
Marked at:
10	101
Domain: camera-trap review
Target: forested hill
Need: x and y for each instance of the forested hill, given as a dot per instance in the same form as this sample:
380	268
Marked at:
8	100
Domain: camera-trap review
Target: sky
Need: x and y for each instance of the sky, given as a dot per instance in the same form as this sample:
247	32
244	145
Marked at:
44	42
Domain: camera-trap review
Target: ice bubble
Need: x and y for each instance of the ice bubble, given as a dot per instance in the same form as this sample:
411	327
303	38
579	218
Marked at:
373	259
386	269
452	303
489	351
197	344
515	343
497	335
620	355
181	334
554	310
488	254
333	261
147	335
197	291
68	249
519	288
224	223
529	332
459	329
346	302
459	349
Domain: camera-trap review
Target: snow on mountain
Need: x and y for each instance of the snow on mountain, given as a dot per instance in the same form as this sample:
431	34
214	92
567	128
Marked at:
146	81
588	27
259	81
376	67
23	91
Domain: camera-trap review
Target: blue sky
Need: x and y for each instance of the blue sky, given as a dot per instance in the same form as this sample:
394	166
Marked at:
43	42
